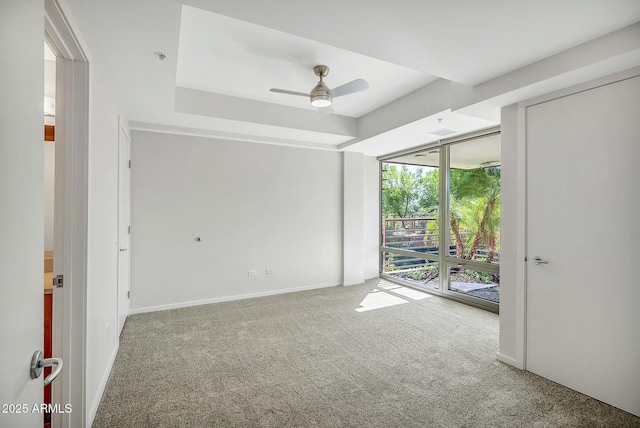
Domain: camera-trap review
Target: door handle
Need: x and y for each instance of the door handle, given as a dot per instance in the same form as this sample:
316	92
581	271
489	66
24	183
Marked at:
123	249
537	260
38	363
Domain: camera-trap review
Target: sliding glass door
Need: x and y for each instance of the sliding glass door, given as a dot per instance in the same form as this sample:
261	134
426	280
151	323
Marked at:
410	213
441	219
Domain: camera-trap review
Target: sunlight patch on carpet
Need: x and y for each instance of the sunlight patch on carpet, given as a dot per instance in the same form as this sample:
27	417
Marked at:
379	299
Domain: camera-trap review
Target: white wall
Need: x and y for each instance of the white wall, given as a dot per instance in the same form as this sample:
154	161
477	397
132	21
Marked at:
353	228
509	234
361	227
102	251
371	217
253	206
513	221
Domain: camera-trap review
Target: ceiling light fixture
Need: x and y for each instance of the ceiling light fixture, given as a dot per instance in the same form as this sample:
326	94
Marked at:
321	94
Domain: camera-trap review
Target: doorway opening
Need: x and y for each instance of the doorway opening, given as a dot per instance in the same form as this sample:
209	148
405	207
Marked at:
71	109
440	219
49	209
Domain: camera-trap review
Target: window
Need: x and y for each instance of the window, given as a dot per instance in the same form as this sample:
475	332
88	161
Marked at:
440	227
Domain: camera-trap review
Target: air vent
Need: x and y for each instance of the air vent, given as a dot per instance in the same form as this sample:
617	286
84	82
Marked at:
442	132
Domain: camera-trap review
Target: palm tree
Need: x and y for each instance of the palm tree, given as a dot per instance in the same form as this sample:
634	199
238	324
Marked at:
475	208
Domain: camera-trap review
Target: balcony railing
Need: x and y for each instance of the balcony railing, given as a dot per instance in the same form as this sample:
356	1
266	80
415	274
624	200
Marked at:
422	235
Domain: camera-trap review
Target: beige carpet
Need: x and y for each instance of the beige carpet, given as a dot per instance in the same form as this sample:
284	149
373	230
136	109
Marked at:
376	355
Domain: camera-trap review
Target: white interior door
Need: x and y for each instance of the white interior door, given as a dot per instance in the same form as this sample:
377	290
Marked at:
583	218
124	221
21	211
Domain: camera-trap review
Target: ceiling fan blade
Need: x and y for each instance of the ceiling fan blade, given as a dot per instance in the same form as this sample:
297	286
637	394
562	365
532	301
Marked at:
350	88
284	91
325	111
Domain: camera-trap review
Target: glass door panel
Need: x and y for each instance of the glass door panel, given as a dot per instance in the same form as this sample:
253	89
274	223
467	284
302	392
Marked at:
474	283
440	227
410	202
474	200
412	269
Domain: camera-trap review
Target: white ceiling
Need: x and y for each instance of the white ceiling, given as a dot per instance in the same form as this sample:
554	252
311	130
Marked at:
232	57
474	153
420	133
223	56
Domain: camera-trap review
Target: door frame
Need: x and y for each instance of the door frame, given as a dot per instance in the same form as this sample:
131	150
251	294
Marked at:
521	203
445	261
122	130
72	132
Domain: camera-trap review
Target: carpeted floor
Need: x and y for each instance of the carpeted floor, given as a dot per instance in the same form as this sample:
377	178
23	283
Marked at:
376	355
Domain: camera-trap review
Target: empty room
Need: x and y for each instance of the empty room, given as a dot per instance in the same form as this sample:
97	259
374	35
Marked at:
345	213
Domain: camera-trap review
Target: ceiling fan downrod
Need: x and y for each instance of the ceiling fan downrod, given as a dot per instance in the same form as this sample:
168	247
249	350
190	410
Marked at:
321	94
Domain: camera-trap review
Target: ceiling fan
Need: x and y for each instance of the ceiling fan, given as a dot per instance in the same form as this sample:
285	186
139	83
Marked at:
321	95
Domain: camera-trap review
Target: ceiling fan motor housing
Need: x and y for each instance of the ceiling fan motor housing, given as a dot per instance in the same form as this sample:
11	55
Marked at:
321	95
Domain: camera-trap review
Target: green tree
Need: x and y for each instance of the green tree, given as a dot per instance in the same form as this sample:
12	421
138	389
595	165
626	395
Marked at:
429	192
475	210
400	190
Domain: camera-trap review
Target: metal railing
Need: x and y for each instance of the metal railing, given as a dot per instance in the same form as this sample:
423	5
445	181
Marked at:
422	235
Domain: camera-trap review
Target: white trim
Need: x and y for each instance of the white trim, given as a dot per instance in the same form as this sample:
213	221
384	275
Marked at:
521	243
521	249
125	129
507	360
616	77
231	298
59	34
102	386
122	129
72	130
229	136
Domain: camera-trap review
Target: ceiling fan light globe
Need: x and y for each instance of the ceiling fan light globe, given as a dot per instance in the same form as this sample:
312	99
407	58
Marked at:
321	95
321	101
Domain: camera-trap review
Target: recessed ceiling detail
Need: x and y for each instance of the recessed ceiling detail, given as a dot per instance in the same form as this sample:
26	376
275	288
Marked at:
232	57
419	58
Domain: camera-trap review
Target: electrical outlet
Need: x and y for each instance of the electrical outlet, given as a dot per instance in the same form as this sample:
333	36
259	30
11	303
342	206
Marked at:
253	272
271	271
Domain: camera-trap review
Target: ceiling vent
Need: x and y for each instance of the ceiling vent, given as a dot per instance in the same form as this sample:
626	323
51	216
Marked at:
442	132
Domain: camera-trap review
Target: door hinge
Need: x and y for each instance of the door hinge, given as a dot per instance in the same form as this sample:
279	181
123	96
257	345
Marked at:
129	164
58	281
129	230
128	294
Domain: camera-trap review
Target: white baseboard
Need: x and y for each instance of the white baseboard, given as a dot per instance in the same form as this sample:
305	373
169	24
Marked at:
103	384
230	298
507	360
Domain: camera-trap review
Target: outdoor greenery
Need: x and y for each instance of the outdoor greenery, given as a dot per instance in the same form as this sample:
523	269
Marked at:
409	193
428	272
484	278
474	207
